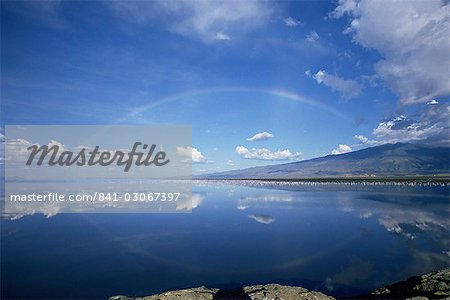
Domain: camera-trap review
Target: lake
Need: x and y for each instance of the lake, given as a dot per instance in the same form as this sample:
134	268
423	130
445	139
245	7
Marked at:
341	239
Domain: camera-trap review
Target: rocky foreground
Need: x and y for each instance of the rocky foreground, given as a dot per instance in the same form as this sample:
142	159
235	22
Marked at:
435	285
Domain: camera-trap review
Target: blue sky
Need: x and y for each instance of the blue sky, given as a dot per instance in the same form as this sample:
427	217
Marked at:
310	77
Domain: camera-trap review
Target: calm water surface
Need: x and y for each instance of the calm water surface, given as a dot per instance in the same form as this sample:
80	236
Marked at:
336	238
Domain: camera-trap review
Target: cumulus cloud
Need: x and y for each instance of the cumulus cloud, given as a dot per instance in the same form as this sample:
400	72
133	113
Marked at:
18	153
262	136
191	153
291	22
343	148
412	38
431	125
16	150
222	36
347	88
201	19
312	36
362	139
402	129
265	154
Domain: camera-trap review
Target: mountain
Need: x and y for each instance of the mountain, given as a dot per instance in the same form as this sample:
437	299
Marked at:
386	160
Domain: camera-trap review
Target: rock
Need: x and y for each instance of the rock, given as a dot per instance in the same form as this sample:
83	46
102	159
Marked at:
200	293
280	292
434	285
120	298
255	292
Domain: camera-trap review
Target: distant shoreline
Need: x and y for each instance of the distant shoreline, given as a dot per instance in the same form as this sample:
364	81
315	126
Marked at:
393	179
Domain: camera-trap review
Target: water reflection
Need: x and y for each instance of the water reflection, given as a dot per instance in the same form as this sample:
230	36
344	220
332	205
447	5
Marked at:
189	204
264	200
263	219
340	239
403	213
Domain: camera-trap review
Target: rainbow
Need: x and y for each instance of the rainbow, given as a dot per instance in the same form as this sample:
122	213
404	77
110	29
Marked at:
282	94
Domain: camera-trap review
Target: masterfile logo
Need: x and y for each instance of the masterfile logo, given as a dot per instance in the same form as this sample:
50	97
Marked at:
94	157
97	168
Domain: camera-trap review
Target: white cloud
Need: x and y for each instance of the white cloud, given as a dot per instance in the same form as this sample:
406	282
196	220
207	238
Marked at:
200	19
341	149
432	102
16	149
262	136
56	143
362	139
291	22
230	162
402	129
347	88
312	36
431	125
189	152
344	7
265	154
222	36
411	36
